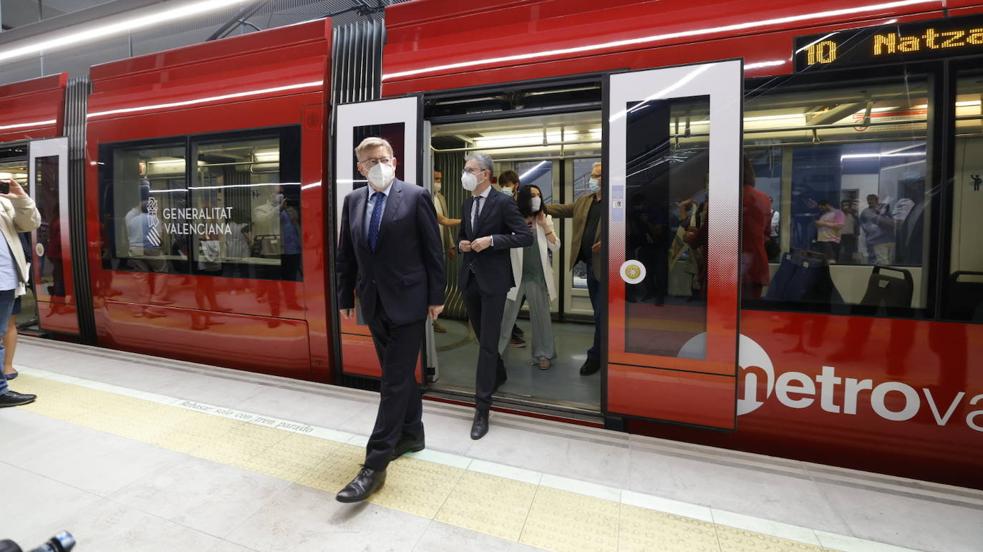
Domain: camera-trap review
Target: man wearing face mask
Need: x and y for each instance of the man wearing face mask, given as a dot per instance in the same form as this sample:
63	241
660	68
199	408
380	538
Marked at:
390	255
446	227
491	226
586	246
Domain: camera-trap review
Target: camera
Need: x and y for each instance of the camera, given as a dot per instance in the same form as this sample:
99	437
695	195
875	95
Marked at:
62	542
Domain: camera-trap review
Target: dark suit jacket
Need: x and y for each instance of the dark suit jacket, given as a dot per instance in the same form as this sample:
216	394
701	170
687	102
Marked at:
499	218
406	271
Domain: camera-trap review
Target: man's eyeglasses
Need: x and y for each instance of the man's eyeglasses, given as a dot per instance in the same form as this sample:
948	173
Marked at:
475	171
373	161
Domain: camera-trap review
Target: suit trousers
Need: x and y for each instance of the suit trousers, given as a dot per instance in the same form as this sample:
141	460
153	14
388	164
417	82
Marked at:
485	312
400	405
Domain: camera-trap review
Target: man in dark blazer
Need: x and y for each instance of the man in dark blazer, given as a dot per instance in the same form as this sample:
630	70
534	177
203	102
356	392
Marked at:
389	254
490	225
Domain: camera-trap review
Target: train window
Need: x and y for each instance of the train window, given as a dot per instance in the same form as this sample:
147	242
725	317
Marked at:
842	175
239	217
963	294
666	220
138	183
253	212
49	233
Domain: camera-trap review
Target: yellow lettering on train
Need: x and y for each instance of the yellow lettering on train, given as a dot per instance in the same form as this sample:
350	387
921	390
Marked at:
909	44
953	39
885	44
975	37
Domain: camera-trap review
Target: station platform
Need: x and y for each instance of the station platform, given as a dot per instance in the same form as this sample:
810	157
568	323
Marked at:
130	452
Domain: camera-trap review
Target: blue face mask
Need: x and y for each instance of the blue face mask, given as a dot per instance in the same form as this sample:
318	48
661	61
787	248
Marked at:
594	185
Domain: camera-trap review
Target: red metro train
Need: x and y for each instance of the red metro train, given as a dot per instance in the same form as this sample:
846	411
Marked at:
820	300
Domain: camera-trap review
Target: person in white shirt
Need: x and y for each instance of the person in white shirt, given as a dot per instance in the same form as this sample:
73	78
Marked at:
533	276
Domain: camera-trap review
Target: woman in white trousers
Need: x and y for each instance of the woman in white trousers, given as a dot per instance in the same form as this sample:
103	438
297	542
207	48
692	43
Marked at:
533	275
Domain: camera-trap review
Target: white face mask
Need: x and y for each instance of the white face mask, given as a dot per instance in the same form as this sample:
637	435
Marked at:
436	187
535	203
507	190
594	185
469	181
381	176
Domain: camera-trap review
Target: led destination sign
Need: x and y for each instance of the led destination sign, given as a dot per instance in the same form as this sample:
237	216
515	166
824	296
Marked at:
894	43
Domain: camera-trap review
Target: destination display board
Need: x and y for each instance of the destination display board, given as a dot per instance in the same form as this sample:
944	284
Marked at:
891	44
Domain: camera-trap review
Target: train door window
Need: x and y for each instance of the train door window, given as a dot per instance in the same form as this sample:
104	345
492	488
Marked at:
838	207
963	294
666	225
244	217
139	184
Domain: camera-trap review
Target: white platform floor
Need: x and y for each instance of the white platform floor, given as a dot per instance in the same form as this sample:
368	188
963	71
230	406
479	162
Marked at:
117	490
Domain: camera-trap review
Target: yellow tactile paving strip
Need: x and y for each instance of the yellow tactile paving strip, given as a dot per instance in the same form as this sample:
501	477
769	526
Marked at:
528	513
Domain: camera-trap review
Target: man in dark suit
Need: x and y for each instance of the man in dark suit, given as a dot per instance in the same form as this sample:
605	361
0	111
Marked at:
389	253
491	225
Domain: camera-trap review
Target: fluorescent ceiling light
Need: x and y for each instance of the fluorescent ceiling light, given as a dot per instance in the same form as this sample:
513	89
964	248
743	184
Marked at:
879	155
39	44
267	156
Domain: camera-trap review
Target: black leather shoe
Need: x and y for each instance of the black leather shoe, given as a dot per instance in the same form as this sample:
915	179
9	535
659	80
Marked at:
408	445
365	483
480	425
591	366
13	398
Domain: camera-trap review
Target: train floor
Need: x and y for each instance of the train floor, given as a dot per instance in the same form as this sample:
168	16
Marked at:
135	453
560	385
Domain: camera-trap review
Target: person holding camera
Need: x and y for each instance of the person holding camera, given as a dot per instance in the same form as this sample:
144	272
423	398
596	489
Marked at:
17	214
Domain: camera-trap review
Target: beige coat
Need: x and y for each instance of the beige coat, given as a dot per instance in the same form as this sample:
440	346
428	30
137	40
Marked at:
18	215
579	210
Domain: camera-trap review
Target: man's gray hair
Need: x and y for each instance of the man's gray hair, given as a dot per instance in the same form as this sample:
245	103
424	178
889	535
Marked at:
484	161
373	142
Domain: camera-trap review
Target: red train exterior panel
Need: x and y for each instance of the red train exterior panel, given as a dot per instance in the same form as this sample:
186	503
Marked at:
271	79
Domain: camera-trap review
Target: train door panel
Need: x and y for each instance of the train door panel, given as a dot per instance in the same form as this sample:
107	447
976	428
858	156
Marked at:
673	165
50	268
398	120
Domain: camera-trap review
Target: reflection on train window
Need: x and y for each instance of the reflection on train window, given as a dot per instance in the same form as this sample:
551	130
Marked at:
843	173
667	150
49	236
963	296
142	183
240	217
250	222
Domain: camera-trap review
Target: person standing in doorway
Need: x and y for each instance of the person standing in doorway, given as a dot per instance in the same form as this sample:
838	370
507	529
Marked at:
492	225
533	275
390	256
19	215
446	227
586	244
508	184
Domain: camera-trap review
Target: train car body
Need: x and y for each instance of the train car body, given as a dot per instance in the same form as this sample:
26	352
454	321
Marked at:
209	232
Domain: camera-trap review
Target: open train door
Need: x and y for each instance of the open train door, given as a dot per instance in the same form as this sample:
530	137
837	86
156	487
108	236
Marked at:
400	121
673	169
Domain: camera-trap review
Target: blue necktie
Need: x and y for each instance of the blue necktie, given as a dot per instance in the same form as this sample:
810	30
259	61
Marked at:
378	198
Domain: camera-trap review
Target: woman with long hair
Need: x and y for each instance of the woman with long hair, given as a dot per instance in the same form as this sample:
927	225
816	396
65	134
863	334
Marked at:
533	275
